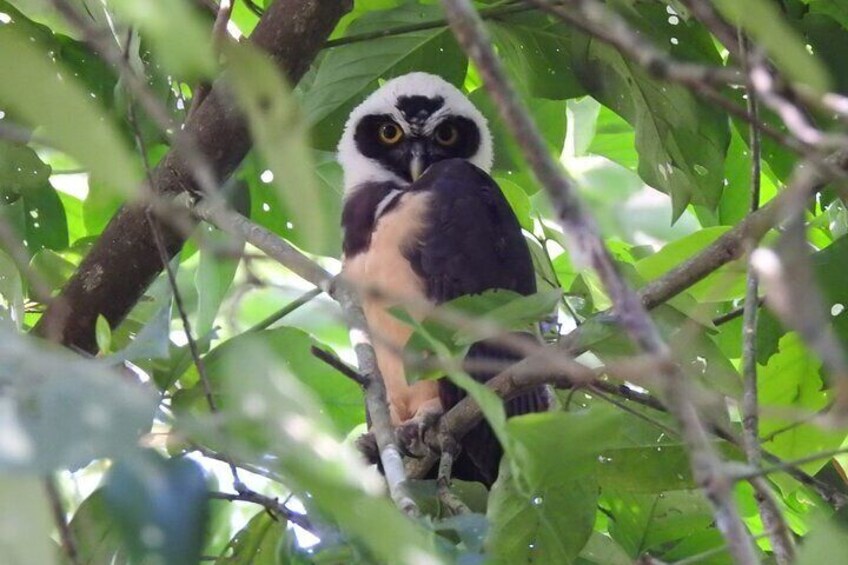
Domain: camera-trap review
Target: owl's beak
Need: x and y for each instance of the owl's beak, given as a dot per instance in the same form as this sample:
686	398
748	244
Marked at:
417	161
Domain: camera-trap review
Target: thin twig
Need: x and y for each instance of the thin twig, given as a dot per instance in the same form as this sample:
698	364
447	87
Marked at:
251	5
773	520
272	505
69	545
302	300
787	466
733	314
449	449
339	365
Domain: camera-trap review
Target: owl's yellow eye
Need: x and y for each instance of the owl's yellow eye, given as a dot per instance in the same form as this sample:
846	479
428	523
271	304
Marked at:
390	133
446	135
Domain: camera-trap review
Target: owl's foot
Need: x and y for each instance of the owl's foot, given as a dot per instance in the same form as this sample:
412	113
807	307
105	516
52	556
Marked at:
410	434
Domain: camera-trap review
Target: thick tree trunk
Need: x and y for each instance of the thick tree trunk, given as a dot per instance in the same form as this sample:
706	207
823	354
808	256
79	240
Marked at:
125	259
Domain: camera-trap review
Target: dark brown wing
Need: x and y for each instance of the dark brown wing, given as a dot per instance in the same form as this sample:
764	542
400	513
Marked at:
473	243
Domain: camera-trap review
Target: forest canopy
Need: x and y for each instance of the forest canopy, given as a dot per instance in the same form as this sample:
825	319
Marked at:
181	378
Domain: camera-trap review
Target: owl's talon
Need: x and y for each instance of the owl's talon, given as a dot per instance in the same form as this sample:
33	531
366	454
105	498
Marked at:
367	446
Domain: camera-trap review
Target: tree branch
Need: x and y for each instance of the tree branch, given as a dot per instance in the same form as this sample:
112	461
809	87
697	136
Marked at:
773	520
125	260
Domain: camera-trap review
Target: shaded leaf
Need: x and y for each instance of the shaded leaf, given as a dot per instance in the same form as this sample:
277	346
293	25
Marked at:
159	506
681	141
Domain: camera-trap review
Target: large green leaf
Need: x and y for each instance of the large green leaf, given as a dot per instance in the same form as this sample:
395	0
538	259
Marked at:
281	136
615	139
219	259
183	43
542	506
11	293
641	522
38	90
346	74
790	381
341	399
535	49
763	20
550	117
681	141
827	265
736	198
727	283
160	507
256	543
24	176
96	533
282	215
61	410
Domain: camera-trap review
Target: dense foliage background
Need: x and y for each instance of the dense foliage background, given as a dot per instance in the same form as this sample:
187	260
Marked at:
139	468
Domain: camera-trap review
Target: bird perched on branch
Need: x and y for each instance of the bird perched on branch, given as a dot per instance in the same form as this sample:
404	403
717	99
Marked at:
424	223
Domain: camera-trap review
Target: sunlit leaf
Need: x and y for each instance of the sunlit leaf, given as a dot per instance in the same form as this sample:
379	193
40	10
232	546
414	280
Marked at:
43	94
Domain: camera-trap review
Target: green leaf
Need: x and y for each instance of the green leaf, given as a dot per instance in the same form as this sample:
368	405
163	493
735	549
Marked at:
646	468
514	312
642	522
499	310
281	135
542	508
25	521
347	73
160	507
518	201
103	334
827	265
681	141
280	215
256	543
273	413
827	539
536	51
615	139
24	176
762	20
603	550
728	283
37	89
95	532
550	117
218	264
341	399
61	410
790	381
181	39
11	294
736	198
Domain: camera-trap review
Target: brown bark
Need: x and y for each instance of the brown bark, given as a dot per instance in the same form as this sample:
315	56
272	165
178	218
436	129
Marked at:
125	260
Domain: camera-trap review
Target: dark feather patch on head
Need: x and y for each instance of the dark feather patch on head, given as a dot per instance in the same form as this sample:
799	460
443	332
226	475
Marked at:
419	108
